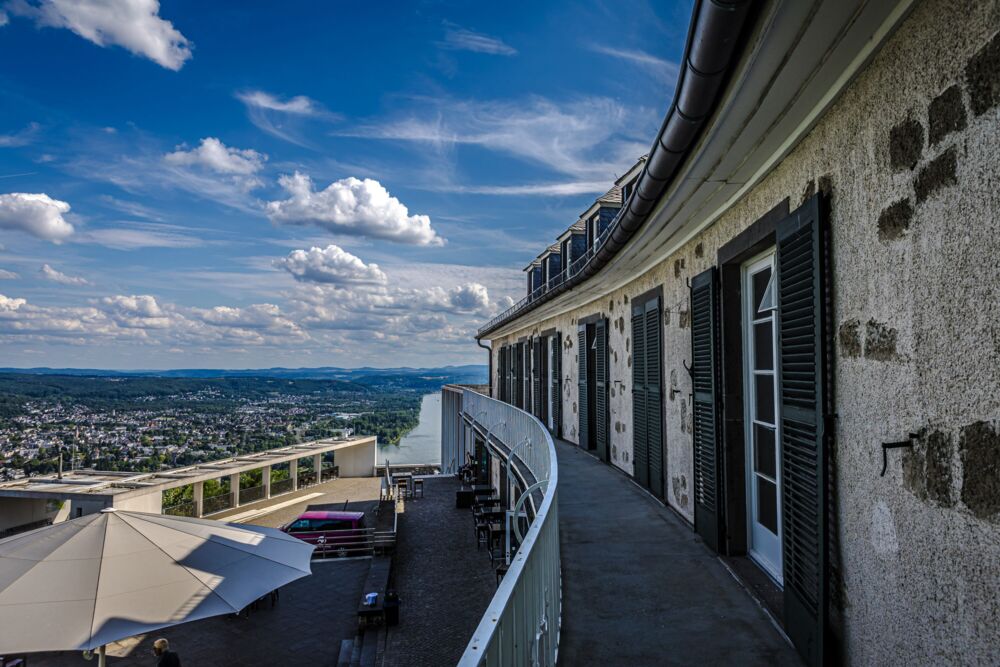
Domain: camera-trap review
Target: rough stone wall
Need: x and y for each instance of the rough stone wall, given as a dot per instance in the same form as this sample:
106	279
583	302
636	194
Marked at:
910	158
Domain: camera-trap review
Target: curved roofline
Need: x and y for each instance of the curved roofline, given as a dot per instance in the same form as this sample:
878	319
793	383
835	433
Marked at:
709	58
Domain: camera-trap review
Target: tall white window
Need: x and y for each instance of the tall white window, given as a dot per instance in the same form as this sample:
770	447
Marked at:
761	415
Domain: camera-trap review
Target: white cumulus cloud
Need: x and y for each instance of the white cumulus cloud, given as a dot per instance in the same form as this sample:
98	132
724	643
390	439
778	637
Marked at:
8	275
351	206
135	25
331	265
214	155
136	311
8	304
56	276
36	214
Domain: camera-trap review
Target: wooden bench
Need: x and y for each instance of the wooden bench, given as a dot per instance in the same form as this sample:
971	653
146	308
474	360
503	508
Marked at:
376	582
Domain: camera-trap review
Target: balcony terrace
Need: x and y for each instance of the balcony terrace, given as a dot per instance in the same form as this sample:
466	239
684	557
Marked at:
606	574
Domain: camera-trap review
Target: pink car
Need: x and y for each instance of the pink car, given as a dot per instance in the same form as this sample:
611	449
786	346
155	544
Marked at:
333	533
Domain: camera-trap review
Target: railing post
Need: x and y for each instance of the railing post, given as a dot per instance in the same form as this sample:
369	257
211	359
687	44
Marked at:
234	488
199	498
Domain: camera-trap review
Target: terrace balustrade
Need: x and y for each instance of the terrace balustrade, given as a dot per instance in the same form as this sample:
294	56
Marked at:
575	268
521	624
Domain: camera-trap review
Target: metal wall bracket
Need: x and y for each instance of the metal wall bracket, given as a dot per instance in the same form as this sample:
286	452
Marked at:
886	446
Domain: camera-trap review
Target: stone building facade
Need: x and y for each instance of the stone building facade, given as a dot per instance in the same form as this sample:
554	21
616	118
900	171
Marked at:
904	164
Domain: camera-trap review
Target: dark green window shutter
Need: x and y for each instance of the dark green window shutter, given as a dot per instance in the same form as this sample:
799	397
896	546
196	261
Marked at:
583	433
653	403
601	388
555	391
528	394
510	373
536	365
802	374
640	444
519	375
705	378
501	373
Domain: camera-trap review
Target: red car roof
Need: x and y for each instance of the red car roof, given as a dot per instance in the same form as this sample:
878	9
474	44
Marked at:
320	514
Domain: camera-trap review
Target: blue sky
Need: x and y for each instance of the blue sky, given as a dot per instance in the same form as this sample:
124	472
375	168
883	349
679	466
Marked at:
246	184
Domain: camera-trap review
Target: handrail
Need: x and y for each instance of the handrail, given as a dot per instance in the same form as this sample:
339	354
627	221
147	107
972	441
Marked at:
576	267
521	623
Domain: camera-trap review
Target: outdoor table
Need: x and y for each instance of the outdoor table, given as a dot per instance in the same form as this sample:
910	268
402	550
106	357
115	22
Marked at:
407	477
463	498
494	516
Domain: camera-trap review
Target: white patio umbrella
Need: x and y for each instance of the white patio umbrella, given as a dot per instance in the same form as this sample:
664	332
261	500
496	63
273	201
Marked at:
81	584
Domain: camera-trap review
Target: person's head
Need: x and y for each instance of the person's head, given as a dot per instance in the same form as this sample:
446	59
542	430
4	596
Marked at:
160	646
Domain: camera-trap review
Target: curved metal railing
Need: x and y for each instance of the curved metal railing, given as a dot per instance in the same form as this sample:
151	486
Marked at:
521	624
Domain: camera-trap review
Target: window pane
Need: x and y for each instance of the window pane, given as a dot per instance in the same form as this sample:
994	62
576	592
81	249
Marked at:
759	280
767	505
765	398
763	347
766	463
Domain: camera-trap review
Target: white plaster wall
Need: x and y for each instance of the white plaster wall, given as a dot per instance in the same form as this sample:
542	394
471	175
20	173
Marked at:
920	548
149	502
357	460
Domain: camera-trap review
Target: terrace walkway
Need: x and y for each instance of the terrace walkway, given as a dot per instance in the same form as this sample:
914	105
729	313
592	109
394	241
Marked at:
640	588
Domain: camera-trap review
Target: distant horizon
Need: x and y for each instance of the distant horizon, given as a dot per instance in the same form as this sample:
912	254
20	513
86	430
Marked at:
6	369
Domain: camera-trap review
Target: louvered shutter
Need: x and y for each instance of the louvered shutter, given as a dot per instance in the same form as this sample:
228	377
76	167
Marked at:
536	376
583	432
519	375
640	444
601	388
802	375
510	374
705	374
501	370
555	391
653	404
526	377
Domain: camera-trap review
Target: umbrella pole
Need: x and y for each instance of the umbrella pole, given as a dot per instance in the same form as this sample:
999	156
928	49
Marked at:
101	657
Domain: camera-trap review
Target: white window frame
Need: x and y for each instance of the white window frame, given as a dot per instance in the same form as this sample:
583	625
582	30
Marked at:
748	318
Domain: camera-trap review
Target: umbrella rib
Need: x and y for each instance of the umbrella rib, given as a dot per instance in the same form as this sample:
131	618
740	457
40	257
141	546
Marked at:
97	586
239	548
184	567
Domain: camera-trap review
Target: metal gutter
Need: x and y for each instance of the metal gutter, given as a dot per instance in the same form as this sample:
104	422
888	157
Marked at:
715	32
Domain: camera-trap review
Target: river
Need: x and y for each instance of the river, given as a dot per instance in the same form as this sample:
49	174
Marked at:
423	443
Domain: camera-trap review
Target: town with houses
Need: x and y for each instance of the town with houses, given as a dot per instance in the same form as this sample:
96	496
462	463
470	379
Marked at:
145	424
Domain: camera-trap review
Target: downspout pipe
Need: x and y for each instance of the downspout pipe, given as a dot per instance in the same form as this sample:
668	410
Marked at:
716	30
489	355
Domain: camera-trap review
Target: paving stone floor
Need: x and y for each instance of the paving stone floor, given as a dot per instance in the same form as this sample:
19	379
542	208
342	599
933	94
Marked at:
641	588
444	583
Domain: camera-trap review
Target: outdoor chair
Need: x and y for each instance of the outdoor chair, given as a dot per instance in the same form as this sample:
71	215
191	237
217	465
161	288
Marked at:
401	488
418	488
482	535
501	571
